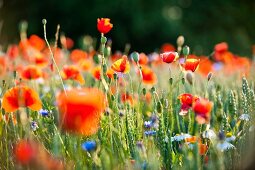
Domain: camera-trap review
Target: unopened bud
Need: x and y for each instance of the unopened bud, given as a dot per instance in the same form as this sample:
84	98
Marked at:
189	77
209	76
171	81
144	91
44	21
183	80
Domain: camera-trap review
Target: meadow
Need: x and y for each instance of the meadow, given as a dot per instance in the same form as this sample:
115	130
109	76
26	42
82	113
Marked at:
94	108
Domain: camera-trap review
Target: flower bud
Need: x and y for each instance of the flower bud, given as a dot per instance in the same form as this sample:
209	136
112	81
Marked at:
209	76
171	81
189	77
144	91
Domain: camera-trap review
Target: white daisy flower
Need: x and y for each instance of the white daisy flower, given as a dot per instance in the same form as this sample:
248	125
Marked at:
231	138
245	117
180	137
209	134
223	146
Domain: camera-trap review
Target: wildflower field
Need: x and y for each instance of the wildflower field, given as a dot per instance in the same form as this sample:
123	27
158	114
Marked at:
94	108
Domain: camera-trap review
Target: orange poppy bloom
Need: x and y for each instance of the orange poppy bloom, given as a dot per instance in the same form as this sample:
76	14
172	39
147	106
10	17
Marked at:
85	65
186	102
205	66
202	108
202	148
40	59
96	72
78	55
122	65
66	42
127	98
21	96
143	59
149	77
169	57
80	110
110	73
2	65
104	25
220	49
191	64
31	72
72	72
36	42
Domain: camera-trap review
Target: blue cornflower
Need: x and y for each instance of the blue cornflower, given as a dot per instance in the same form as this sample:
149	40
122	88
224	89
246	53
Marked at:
150	132
34	125
148	124
44	112
89	146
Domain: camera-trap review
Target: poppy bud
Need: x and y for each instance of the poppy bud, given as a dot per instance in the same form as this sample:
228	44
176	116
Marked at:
103	40
135	56
183	80
144	91
209	76
104	68
115	76
153	89
189	77
159	107
171	81
185	50
96	59
107	51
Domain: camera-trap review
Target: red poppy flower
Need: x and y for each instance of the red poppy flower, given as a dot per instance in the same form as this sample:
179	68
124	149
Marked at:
149	77
2	65
24	152
191	64
72	72
13	51
104	25
202	108
169	57
122	65
78	55
167	47
36	42
31	72
186	102
205	66
80	110
21	96
32	154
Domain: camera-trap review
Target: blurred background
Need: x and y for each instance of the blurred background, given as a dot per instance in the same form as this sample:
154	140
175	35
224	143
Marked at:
144	24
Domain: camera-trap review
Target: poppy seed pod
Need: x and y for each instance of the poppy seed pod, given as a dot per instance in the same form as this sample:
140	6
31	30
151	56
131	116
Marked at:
135	56
103	40
180	41
185	50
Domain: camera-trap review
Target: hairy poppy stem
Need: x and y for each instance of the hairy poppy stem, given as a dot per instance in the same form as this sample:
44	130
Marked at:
44	21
